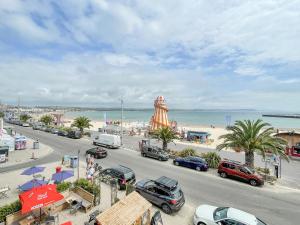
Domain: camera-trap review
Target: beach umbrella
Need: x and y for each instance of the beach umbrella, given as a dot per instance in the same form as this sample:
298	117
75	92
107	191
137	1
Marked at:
39	197
62	175
31	184
33	170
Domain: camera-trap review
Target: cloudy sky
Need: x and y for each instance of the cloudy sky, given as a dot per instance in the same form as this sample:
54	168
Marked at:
197	53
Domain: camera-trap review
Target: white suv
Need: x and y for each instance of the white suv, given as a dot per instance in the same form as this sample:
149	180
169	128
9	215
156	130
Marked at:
211	215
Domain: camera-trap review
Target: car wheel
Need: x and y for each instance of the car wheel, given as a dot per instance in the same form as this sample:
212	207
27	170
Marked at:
144	154
160	159
176	163
200	223
223	174
166	209
253	182
198	168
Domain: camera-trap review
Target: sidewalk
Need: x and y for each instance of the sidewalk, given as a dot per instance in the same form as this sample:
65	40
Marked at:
22	156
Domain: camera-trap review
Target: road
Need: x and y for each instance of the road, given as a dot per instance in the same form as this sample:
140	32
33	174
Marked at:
274	206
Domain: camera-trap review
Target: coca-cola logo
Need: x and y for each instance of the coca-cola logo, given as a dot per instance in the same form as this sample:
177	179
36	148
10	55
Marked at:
42	196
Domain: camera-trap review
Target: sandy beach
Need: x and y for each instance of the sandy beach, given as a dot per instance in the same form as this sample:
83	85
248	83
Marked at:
215	132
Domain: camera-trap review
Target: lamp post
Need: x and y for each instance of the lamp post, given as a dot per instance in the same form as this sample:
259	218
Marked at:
78	164
122	121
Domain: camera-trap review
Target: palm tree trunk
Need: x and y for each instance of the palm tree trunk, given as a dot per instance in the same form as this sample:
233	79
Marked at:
249	158
165	146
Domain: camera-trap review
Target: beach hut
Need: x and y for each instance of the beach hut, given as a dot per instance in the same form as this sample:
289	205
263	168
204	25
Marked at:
131	210
160	117
197	136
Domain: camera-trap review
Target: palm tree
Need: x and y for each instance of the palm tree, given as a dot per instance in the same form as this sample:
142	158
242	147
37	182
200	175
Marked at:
24	117
253	136
47	119
166	135
82	122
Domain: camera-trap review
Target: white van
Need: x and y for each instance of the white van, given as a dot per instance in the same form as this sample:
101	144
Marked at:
108	140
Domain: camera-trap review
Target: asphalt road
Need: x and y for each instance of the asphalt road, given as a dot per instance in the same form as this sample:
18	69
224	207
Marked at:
274	206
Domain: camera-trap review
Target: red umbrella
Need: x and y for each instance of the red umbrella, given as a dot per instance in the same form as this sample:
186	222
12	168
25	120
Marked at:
39	197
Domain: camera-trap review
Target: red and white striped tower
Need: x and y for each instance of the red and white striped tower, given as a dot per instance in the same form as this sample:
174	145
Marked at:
160	117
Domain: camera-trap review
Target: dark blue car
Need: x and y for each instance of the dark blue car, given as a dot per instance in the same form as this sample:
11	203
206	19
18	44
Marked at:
192	162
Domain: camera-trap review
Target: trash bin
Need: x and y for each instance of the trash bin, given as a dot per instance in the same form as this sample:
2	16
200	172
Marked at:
58	169
36	145
73	161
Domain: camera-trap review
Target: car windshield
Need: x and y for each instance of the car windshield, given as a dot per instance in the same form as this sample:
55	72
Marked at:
220	213
128	175
248	169
176	193
259	222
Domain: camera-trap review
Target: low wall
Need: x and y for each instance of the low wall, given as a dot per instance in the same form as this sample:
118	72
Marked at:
12	218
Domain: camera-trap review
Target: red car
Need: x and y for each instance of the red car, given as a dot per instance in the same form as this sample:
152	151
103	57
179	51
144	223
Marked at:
236	170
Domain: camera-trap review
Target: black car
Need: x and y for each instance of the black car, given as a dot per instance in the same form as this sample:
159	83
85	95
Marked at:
192	162
62	133
97	152
75	134
163	192
122	174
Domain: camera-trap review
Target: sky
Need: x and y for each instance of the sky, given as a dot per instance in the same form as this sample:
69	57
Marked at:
198	54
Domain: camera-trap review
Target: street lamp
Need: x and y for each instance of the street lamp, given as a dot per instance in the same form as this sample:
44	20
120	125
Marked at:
122	121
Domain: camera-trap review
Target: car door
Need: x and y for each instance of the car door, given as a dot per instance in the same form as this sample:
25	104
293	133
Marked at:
190	162
160	196
243	173
185	162
148	193
149	152
230	222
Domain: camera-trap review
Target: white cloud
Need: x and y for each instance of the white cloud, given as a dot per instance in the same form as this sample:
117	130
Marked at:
189	51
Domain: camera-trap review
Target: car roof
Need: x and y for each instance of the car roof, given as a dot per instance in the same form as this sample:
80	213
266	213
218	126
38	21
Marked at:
241	216
123	169
166	182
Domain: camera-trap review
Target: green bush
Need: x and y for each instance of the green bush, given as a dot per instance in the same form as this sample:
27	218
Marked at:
9	209
88	134
63	186
129	188
86	185
263	170
212	158
187	152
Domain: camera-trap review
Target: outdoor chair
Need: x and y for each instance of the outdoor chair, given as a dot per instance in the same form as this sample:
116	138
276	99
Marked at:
50	219
75	207
3	192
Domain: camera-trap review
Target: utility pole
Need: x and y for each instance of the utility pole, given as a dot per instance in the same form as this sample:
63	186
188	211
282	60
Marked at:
122	121
78	164
18	105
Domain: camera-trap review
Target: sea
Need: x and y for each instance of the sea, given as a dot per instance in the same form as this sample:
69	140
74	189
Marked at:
217	118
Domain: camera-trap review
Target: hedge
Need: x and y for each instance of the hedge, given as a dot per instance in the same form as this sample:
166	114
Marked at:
9	209
63	186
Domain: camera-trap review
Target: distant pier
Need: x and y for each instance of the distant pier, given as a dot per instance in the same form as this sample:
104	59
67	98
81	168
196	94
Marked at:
282	116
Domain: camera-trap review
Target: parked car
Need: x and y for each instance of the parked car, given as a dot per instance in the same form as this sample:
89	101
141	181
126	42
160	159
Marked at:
192	162
54	130
43	128
236	170
123	174
97	152
48	129
211	215
75	134
163	192
25	125
108	140
154	152
62	133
